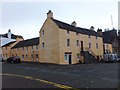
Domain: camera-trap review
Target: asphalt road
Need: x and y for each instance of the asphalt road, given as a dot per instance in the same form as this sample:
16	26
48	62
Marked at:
34	75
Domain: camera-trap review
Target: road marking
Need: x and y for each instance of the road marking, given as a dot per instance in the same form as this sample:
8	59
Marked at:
66	87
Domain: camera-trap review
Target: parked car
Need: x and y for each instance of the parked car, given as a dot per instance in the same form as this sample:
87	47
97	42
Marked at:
111	57
118	59
14	59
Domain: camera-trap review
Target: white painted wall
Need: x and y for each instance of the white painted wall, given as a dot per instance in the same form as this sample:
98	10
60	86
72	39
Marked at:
5	40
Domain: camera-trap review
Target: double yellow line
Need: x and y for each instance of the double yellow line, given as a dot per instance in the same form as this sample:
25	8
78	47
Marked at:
41	80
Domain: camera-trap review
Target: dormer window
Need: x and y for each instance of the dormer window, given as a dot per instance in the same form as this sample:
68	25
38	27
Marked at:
89	45
43	45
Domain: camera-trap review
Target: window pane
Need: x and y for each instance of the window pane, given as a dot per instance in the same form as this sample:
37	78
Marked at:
77	42
89	45
43	32
43	45
68	42
97	45
65	56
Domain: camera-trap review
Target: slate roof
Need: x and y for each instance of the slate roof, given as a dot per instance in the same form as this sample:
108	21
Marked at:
109	36
12	36
9	43
69	27
28	42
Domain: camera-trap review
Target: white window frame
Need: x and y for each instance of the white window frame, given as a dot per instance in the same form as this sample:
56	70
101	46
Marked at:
89	45
36	56
66	57
97	46
68	43
77	43
43	45
22	57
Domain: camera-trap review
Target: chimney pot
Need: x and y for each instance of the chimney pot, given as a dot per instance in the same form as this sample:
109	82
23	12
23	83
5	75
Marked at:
50	14
99	31
92	28
73	24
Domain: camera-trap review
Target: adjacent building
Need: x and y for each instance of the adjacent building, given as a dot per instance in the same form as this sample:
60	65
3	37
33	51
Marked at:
27	50
109	39
8	37
63	43
7	41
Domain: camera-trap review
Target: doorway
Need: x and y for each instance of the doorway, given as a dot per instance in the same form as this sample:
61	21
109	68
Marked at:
69	58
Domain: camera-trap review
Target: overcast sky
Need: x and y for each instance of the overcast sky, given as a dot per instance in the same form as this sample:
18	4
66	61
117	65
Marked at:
26	18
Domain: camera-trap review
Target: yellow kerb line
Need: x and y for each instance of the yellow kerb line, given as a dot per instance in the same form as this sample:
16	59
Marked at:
41	80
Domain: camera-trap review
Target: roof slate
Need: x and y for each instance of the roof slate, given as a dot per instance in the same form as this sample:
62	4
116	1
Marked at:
28	42
69	27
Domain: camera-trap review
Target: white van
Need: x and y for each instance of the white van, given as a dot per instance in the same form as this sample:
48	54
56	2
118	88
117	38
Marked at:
111	57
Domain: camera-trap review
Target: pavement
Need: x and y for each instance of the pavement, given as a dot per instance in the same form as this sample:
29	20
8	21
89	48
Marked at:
80	76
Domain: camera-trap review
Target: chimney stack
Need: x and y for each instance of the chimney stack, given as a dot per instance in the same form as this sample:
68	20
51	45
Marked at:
92	28
99	31
9	34
50	14
74	24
